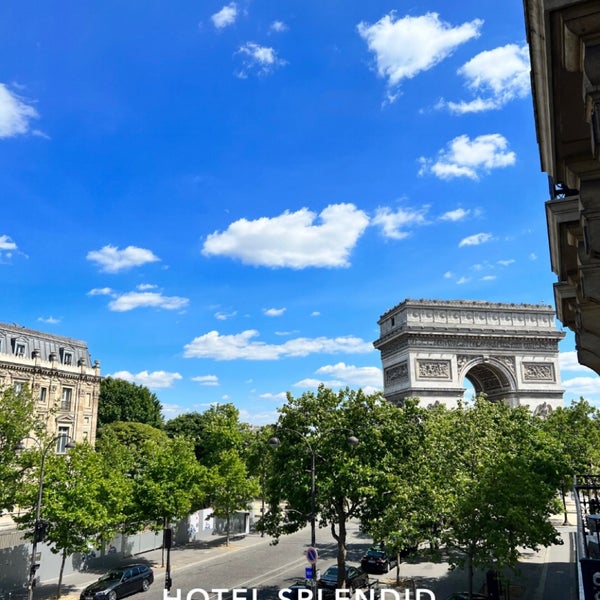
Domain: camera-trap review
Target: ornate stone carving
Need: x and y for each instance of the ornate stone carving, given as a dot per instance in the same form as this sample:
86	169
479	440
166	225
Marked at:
398	372
433	369
538	372
508	361
462	360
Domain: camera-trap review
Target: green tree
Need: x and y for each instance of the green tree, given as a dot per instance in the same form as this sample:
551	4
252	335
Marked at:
230	488
214	431
123	401
84	496
17	420
319	426
576	429
498	472
169	482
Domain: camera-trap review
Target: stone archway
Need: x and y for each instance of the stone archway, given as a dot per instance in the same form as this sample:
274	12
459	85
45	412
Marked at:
507	351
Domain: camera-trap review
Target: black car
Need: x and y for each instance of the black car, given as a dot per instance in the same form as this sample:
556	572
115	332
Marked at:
119	582
377	560
355	578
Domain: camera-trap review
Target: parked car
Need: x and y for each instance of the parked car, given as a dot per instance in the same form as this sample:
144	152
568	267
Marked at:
355	578
377	560
299	584
119	582
465	596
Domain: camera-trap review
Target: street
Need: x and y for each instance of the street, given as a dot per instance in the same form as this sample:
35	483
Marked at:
252	563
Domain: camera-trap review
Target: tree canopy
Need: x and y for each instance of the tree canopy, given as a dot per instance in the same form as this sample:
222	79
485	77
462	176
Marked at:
121	400
347	476
212	432
17	421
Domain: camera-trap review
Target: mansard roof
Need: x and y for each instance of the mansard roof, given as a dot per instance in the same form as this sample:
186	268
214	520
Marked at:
20	341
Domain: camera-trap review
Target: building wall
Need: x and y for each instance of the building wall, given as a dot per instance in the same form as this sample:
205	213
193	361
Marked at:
60	374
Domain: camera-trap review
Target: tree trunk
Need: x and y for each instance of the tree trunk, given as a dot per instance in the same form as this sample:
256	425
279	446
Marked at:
341	545
60	574
227	526
162	555
470	574
566	514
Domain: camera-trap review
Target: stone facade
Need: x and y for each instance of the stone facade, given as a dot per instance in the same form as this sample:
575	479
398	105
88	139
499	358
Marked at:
564	46
59	372
507	351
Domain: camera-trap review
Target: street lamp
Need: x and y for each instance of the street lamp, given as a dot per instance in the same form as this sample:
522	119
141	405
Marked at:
39	527
274	442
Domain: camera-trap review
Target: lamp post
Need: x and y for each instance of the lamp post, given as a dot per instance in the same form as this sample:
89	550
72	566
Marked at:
39	528
274	442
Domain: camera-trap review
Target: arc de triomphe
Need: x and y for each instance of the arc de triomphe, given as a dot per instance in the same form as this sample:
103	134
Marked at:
507	351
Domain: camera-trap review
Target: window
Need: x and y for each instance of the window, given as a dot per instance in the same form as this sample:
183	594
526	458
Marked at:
43	395
65	399
20	350
63	440
67	358
18	387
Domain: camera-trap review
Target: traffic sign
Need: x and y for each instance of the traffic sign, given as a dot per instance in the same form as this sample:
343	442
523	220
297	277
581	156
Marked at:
312	555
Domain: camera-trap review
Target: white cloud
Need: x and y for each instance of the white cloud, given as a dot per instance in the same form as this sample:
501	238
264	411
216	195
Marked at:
292	239
475	240
242	346
407	46
132	300
394	223
507	262
369	379
278	26
488	278
154	380
223	316
15	114
7	248
112	260
582	386
501	74
568	362
352	375
209	380
273	312
462	280
50	320
7	244
145	286
458	214
260	59
258	418
105	291
464	157
226	16
280	397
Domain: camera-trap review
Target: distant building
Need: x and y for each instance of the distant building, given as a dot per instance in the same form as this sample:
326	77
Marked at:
507	351
59	372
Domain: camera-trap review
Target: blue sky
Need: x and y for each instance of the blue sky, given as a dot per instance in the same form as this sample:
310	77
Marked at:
221	199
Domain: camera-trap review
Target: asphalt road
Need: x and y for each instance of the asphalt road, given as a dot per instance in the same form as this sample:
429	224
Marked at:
262	567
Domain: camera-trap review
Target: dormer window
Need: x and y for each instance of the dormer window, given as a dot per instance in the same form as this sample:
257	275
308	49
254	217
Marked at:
67	358
20	350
